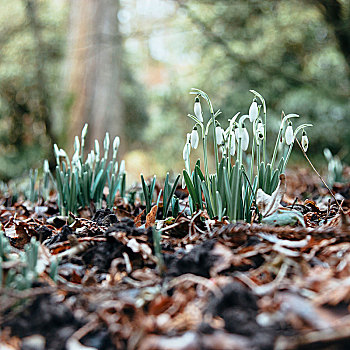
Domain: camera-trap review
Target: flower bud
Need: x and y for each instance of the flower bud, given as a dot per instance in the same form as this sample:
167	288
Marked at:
245	138
198	109
194	138
289	136
84	131
219	131
187	149
46	166
253	111
304	141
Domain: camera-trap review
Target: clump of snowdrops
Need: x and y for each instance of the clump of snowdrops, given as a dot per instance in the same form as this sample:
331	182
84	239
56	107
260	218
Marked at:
82	180
242	164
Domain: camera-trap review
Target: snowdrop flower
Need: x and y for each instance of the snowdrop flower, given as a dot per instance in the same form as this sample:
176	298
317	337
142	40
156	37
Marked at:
289	136
187	149
233	144
198	109
194	138
245	138
253	111
237	132
219	131
259	131
304	141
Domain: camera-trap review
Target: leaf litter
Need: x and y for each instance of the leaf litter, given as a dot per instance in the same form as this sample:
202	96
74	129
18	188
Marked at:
282	284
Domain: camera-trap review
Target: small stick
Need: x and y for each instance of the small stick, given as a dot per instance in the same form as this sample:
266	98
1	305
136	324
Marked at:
314	169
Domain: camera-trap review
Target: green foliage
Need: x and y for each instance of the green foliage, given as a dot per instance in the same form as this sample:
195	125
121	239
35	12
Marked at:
23	271
148	192
79	182
169	198
169	195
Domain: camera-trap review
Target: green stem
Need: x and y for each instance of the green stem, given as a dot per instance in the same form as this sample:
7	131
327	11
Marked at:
276	147
264	142
287	157
215	144
253	151
205	153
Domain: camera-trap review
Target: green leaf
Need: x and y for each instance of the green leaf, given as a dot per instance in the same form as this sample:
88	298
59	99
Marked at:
190	188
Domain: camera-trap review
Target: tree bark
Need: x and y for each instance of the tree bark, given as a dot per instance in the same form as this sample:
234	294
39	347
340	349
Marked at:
93	69
338	18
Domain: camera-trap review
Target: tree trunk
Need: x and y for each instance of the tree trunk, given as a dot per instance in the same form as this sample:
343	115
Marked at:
93	69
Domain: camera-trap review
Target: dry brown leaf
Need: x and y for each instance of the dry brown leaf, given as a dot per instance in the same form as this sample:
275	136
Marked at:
151	217
137	220
267	204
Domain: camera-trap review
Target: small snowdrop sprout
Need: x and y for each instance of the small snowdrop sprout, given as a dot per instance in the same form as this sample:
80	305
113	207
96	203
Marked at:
116	144
304	141
198	109
97	150
76	144
219	131
253	111
194	138
245	138
46	166
84	131
289	136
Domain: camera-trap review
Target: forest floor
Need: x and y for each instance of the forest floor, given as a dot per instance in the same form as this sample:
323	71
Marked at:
215	285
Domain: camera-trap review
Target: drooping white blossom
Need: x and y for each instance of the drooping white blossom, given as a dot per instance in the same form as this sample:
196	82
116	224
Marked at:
289	136
253	111
194	138
260	131
198	109
219	131
244	138
304	141
187	148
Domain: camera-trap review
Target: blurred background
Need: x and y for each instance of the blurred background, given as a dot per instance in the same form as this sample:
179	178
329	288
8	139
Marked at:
127	66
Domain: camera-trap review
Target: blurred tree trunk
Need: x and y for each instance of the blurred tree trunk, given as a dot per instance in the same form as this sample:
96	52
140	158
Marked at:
93	69
337	15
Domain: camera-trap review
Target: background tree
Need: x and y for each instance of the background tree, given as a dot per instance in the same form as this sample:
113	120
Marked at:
93	68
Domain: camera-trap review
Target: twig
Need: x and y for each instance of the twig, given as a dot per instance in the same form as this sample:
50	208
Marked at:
314	169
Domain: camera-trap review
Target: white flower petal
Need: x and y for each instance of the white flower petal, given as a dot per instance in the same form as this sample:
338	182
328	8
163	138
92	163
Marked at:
219	135
245	139
194	138
186	152
304	142
289	136
253	111
198	111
